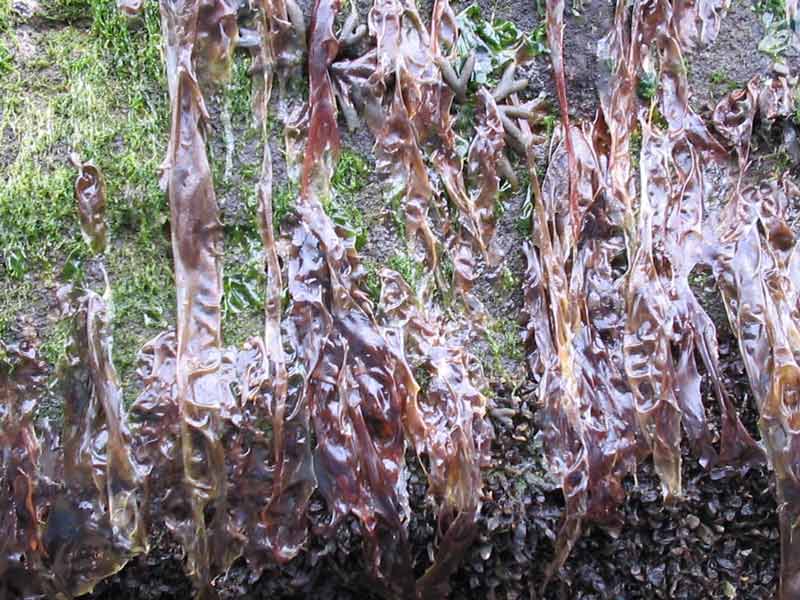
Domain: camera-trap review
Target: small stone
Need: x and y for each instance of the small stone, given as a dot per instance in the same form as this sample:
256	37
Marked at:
780	68
728	589
692	521
726	564
25	8
656	576
485	551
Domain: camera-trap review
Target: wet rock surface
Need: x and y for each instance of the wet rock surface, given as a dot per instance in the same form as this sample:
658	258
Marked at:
720	539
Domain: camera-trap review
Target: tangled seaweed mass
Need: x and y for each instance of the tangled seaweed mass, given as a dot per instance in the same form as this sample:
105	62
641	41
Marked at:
224	447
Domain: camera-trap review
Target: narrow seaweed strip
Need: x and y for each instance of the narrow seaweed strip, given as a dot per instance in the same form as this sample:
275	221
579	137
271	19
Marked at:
202	394
284	516
555	37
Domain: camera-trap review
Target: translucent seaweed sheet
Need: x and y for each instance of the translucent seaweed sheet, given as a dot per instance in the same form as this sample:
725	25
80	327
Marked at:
73	512
226	446
615	329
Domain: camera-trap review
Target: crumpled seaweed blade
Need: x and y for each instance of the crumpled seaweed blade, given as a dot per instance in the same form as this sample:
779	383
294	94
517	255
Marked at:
447	424
355	398
95	523
202	394
22	377
90	194
754	270
284	516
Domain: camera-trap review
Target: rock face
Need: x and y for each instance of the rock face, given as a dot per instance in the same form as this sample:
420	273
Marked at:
524	319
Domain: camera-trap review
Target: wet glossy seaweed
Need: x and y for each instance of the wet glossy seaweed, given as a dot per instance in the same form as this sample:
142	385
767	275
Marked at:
224	447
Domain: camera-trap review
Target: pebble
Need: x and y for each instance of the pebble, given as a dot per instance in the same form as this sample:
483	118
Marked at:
780	68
